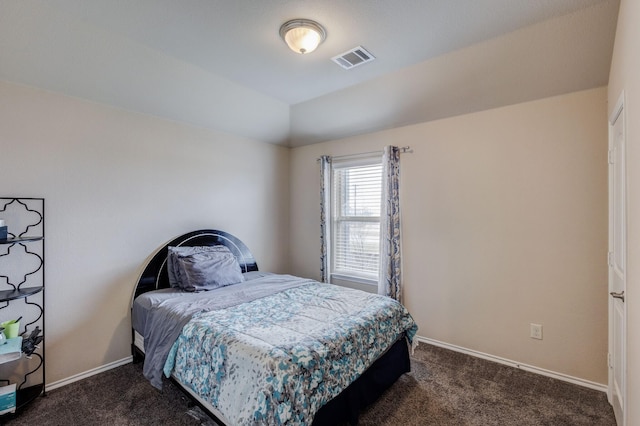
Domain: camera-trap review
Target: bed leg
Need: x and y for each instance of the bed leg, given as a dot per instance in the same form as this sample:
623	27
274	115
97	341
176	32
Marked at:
137	356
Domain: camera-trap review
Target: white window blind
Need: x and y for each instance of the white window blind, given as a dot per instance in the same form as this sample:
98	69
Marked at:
356	198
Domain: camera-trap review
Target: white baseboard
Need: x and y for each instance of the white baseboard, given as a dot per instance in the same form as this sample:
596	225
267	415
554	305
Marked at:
92	372
533	369
537	370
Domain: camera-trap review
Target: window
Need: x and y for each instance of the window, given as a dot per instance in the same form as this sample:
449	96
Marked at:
355	219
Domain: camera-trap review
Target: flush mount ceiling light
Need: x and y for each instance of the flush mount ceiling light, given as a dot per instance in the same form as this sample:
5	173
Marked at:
302	35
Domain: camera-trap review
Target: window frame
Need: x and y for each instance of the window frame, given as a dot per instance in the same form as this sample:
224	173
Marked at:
346	275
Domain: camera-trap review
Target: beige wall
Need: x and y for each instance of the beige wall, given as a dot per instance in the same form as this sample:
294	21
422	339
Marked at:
625	75
505	224
118	185
504	218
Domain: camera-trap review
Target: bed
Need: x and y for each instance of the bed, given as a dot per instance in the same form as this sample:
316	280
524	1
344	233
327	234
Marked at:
269	349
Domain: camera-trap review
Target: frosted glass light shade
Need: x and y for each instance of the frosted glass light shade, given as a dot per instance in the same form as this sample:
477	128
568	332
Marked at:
302	35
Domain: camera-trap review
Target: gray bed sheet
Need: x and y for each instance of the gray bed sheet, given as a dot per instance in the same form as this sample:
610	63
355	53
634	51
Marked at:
160	315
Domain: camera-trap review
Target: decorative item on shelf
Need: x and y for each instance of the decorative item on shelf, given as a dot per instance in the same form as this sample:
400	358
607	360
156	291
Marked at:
8	399
11	350
11	328
30	344
3	230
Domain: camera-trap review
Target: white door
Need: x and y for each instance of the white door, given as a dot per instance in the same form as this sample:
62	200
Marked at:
617	262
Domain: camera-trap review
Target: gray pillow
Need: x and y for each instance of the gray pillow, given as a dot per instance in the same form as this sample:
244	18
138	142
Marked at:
204	268
172	259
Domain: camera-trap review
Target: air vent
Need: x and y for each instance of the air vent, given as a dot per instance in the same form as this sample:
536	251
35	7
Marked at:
353	58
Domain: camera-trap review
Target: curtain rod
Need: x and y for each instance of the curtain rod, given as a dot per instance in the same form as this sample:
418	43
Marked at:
403	150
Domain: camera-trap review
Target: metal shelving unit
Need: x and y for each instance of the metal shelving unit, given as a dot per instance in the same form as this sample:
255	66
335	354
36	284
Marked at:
22	296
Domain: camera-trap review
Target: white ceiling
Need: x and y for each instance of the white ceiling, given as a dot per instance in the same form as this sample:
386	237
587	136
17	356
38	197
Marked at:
221	64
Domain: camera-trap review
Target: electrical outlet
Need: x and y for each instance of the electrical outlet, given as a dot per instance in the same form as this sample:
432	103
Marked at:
536	331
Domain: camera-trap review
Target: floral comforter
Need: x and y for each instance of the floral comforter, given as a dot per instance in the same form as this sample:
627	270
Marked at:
278	359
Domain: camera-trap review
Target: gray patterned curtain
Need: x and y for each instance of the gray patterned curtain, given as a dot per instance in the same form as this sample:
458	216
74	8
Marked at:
390	283
325	184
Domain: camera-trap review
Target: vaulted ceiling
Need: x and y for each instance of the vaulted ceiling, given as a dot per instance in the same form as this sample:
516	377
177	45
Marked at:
221	64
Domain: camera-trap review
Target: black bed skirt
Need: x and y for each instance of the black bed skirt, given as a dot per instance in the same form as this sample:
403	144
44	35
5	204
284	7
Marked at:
346	407
367	388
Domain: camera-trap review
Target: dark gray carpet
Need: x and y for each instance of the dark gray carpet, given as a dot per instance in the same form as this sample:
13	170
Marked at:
444	388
